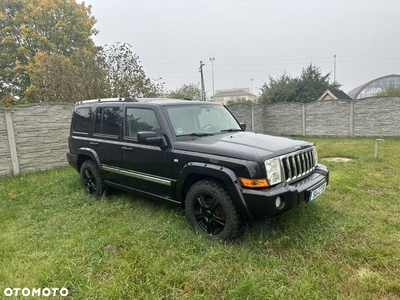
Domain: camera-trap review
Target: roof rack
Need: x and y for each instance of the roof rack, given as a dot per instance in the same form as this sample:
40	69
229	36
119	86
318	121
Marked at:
128	99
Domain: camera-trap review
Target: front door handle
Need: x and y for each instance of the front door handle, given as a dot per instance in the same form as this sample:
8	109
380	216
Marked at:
94	143
127	148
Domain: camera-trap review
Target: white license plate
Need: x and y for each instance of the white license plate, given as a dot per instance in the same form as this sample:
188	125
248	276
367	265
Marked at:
317	191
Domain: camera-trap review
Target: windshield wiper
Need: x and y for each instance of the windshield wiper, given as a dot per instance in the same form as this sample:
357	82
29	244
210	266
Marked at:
199	134
231	130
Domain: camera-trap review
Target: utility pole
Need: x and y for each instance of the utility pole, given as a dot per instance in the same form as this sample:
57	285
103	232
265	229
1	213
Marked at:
212	73
251	85
203	89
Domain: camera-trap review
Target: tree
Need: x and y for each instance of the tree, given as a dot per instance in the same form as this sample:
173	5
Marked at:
189	91
391	90
282	89
112	71
31	27
306	88
126	76
57	78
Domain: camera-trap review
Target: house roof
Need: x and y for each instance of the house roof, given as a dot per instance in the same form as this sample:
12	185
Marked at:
237	93
335	94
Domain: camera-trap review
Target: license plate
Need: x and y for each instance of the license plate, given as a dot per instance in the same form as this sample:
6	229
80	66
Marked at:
317	191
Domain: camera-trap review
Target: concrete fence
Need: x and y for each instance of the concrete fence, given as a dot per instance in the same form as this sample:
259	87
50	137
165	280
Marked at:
35	137
370	117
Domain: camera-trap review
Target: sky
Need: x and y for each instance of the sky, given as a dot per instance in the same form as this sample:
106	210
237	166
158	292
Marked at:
251	40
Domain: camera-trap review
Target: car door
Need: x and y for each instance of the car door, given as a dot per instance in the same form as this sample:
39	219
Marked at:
145	167
106	138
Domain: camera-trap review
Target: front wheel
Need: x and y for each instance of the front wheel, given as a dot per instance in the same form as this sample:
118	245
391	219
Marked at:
91	179
210	210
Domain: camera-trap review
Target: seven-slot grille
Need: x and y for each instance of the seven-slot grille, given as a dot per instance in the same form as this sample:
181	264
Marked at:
298	164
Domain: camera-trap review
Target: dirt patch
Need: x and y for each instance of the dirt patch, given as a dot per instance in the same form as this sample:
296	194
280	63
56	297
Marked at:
337	159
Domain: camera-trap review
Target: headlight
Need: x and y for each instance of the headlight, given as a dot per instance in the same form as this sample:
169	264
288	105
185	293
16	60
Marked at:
273	168
315	155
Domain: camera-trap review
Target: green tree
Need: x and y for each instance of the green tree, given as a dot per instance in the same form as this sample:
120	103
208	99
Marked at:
126	76
189	91
391	90
282	89
306	88
33	27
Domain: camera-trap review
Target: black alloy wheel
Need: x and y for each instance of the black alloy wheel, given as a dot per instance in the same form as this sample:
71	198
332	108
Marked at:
91	179
210	210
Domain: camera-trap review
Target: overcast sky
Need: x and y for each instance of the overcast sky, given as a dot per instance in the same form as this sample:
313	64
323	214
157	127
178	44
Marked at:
254	39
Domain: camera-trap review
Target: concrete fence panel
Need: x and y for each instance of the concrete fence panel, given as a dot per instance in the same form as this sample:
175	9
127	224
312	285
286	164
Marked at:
328	118
377	117
284	119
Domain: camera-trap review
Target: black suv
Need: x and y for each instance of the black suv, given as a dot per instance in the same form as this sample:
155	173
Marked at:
193	154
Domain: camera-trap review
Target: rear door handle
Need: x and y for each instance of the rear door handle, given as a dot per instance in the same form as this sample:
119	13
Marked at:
127	148
94	143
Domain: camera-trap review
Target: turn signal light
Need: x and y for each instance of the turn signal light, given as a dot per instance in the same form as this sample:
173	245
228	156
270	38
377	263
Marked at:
254	183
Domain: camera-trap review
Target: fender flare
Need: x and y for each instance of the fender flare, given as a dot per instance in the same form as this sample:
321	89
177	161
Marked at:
92	154
226	175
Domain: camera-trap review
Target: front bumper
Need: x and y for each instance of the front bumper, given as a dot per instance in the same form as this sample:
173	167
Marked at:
261	203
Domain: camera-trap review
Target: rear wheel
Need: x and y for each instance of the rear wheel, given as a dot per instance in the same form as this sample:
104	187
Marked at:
91	179
210	210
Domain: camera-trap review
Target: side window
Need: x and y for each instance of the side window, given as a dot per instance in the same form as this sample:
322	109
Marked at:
107	120
139	119
82	119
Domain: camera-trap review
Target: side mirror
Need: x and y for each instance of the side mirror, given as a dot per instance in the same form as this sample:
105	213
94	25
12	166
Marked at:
243	125
151	137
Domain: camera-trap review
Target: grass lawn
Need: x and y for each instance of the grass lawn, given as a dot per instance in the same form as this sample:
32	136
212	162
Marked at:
344	245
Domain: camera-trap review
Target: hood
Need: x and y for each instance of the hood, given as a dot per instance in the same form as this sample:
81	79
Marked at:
243	145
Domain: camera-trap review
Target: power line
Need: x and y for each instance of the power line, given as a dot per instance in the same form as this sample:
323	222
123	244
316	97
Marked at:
278	61
269	70
173	11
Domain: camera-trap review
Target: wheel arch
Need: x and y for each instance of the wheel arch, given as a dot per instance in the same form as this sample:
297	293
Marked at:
194	172
88	154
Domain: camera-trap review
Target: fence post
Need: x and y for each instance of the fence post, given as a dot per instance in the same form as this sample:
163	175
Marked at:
252	118
11	141
351	119
303	107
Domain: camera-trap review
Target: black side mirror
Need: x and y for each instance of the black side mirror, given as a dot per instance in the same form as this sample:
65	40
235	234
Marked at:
243	125
151	137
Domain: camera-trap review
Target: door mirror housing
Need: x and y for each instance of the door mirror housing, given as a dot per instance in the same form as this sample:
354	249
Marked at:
243	125
152	138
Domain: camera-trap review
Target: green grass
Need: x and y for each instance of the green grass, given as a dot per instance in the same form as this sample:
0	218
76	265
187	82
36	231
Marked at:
344	245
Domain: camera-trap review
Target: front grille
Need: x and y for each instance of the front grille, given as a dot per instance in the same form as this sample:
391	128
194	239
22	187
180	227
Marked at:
297	165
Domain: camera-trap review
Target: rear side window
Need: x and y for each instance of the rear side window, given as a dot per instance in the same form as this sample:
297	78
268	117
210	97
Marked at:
139	119
107	120
82	119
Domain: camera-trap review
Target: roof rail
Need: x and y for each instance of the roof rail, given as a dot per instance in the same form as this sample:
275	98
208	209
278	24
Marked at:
128	99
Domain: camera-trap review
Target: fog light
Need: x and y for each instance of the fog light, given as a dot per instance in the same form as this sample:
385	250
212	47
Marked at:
279	203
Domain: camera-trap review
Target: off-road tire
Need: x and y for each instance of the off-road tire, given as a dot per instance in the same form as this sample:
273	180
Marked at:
210	210
91	179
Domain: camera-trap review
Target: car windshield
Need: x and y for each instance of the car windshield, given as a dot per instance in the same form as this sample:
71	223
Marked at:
201	119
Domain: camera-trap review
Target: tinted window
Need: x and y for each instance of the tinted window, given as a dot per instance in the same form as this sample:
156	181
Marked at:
138	119
82	119
107	120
